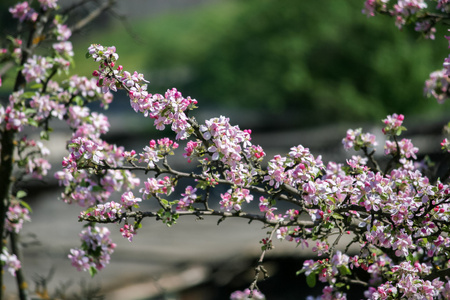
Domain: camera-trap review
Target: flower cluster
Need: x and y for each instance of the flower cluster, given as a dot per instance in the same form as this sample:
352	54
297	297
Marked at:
167	109
437	86
356	139
155	186
233	199
16	216
393	125
36	69
227	141
247	294
297	168
156	151
404	148
9	262
95	251
406	12
188	198
23	12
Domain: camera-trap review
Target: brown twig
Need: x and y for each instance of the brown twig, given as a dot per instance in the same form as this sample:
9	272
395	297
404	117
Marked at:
260	268
92	16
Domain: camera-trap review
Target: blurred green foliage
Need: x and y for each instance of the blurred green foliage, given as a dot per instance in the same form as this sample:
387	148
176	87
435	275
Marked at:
314	62
322	59
304	62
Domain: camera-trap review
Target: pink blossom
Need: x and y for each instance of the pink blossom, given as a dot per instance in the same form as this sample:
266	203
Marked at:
79	259
393	124
36	68
48	4
62	32
64	48
357	139
437	85
129	200
245	295
157	186
233	199
9	262
405	146
128	232
23	11
96	250
188	198
16	216
15	119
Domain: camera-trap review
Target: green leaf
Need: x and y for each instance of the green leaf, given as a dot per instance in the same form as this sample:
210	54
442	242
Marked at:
337	216
300	272
328	225
97	188
344	270
164	203
78	101
311	280
87	55
201	185
36	86
21	194
28	94
32	122
44	135
410	257
24	204
92	271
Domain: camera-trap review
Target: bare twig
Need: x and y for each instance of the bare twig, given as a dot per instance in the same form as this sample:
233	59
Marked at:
211	212
260	268
92	16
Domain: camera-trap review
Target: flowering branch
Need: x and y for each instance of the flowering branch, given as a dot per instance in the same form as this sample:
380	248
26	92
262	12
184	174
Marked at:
398	218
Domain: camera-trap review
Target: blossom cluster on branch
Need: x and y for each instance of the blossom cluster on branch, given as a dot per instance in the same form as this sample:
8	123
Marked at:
397	216
389	210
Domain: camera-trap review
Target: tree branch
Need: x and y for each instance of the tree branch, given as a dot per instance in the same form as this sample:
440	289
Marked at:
197	213
92	16
438	274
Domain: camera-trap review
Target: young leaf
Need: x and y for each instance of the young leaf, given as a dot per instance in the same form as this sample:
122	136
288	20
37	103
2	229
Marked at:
311	280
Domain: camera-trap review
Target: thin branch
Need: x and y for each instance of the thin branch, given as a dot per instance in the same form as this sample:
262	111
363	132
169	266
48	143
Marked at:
6	67
67	10
438	274
372	159
124	20
260	268
92	16
242	215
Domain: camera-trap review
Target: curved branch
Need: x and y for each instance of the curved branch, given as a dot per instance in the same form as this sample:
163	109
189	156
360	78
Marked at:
92	16
260	268
197	213
438	274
